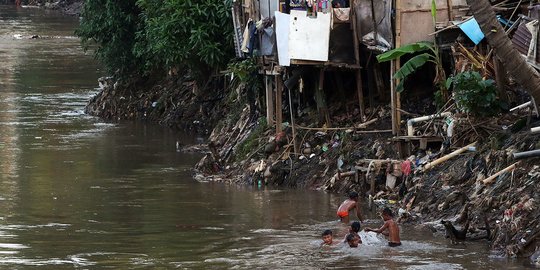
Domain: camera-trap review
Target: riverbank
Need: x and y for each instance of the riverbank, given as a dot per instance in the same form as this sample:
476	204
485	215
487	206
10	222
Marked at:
243	150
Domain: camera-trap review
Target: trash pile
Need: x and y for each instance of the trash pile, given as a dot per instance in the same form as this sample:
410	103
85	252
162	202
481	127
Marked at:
480	185
177	103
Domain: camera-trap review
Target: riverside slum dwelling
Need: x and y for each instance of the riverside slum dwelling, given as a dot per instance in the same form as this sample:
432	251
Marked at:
414	105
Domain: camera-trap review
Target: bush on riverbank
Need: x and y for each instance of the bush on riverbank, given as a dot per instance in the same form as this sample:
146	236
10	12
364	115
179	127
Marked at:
145	37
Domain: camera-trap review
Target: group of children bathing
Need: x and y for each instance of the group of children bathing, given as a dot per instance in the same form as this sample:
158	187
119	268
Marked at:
390	228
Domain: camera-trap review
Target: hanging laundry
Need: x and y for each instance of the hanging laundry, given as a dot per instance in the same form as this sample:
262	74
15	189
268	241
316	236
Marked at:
246	35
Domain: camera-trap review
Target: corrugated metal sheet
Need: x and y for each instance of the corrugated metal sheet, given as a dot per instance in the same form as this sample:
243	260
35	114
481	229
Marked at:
522	40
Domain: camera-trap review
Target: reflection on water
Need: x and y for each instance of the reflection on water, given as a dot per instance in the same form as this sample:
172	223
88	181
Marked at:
80	193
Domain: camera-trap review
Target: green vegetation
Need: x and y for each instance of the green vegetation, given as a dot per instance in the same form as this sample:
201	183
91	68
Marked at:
425	52
475	95
414	63
136	37
252	142
244	71
112	26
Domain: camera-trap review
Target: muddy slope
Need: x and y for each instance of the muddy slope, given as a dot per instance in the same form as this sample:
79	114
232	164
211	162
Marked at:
173	102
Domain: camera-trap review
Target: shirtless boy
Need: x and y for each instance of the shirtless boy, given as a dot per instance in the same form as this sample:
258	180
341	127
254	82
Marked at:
327	238
353	240
390	228
349	204
354	230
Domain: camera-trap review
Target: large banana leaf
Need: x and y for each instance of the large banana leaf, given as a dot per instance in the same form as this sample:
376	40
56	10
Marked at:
410	67
403	50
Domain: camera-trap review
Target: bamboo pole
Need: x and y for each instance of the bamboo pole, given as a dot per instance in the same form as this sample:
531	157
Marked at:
447	157
492	178
295	146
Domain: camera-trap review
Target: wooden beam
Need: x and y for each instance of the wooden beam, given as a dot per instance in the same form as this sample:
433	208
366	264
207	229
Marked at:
269	100
279	96
320	99
393	98
450	6
398	65
356	42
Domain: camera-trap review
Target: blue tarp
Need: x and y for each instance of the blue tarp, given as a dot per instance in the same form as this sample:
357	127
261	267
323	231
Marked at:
472	29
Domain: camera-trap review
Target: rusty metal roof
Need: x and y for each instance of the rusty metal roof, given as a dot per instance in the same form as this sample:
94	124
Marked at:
522	39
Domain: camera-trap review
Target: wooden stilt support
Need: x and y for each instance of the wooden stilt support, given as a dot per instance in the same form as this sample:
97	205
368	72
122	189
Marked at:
450	10
379	82
398	66
279	97
393	106
292	123
356	42
269	100
320	98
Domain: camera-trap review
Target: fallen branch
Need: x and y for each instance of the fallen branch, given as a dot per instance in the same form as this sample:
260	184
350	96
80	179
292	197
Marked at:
492	178
447	157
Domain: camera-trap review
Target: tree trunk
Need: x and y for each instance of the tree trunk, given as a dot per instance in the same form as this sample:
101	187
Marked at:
512	60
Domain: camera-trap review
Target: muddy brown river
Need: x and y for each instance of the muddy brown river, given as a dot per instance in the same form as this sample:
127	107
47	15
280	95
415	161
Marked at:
79	193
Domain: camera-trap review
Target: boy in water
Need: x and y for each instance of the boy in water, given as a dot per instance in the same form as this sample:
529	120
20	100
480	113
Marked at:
389	228
327	238
348	205
353	240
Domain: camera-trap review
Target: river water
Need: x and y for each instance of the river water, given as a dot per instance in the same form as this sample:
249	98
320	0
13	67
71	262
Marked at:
79	193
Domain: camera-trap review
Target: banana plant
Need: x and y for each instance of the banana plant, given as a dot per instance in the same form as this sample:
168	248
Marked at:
429	52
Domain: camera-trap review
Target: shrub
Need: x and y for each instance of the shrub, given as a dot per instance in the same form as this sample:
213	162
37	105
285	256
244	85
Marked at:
111	26
194	35
151	36
475	95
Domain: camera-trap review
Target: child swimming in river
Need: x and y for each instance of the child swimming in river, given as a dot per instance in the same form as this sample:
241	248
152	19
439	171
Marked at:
354	230
346	206
327	238
353	240
389	228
